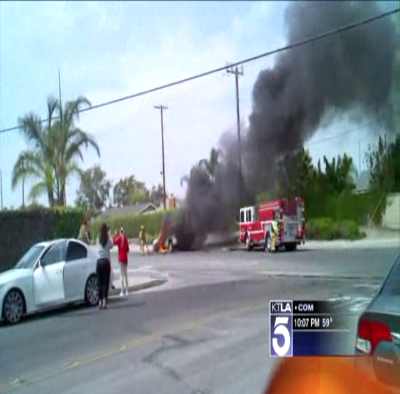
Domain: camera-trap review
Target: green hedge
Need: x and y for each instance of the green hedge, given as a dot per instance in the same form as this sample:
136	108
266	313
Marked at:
360	208
67	222
20	229
152	222
326	229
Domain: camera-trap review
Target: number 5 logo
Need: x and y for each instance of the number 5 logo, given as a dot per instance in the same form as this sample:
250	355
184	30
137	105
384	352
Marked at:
280	328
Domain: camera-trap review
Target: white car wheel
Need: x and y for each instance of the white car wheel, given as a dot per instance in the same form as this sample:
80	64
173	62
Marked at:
13	307
92	291
170	246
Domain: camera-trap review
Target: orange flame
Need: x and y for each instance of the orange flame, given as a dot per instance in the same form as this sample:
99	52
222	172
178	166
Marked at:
160	243
328	375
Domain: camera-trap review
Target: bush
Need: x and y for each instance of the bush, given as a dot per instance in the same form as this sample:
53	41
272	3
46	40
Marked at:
320	229
151	221
326	229
20	229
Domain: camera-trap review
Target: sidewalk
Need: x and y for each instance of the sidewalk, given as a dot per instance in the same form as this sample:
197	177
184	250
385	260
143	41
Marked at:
340	244
359	244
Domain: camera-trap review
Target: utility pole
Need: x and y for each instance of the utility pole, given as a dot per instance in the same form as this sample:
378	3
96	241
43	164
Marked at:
1	188
1	179
162	108
238	71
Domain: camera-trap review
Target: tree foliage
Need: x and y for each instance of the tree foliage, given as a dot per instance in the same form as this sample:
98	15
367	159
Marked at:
54	150
94	189
297	176
210	165
129	191
338	175
126	190
382	160
207	167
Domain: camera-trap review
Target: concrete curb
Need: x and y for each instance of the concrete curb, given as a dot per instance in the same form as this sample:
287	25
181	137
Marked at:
367	244
146	285
321	275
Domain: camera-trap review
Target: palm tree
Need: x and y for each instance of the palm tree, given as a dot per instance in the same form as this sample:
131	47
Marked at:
38	160
186	178
304	172
52	151
210	165
346	172
70	143
338	176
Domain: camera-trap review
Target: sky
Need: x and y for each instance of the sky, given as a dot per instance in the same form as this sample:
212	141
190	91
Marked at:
107	50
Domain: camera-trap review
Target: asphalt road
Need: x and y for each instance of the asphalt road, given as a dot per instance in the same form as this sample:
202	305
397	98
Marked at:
215	266
209	335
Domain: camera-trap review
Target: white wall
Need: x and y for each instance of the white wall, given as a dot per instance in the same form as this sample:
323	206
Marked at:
391	218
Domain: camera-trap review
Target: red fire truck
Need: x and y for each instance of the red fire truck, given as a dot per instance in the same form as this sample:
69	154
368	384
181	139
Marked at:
255	224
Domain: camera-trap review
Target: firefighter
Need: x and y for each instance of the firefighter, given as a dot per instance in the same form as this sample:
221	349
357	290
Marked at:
84	233
142	240
275	230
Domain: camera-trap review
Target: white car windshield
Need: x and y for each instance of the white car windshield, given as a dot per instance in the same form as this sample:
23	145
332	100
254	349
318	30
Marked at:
30	257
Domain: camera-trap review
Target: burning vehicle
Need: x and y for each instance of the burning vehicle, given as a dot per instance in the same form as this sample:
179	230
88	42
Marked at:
177	233
166	240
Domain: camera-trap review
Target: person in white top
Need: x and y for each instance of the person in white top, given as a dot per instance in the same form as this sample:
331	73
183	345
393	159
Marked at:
104	264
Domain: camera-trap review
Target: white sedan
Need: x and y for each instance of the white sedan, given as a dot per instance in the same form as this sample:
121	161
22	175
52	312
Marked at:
50	274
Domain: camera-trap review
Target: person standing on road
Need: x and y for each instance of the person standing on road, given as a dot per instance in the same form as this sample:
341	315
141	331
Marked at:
104	264
142	240
274	234
122	241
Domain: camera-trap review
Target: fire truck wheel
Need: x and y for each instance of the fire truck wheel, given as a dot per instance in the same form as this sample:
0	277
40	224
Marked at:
248	243
268	243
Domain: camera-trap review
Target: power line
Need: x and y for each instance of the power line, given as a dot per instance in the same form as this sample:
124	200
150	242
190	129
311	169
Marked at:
333	137
352	130
206	119
220	69
236	71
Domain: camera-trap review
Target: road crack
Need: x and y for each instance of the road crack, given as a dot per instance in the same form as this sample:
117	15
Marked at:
171	343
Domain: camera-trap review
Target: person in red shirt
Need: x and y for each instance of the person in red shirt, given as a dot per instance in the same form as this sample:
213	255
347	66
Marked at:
122	241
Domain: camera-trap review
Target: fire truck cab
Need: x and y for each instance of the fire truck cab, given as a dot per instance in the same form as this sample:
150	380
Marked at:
255	224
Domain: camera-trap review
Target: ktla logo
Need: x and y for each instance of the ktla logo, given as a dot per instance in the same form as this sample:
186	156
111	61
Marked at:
280	337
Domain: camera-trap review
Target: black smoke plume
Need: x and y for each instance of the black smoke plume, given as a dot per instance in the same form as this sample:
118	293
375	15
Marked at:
347	71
